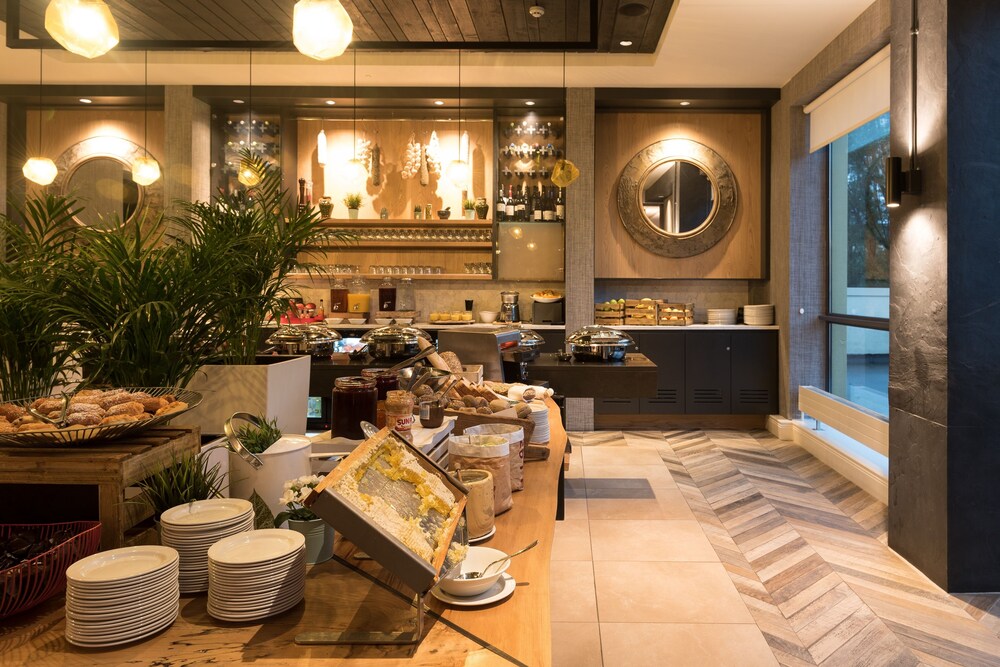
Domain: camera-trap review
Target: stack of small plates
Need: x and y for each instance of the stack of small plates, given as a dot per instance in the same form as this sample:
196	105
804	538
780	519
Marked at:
540	415
760	316
722	316
119	596
256	574
193	527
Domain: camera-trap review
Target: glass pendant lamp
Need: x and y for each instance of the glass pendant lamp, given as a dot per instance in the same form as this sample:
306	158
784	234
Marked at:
321	29
83	27
354	170
247	174
145	169
458	172
40	170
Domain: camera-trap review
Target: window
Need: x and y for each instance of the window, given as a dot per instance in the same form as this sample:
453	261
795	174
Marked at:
858	313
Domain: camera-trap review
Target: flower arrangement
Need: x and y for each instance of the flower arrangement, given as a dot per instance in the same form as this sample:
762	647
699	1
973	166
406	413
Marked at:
353	200
296	492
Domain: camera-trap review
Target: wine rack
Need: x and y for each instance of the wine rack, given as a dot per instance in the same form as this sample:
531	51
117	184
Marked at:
231	136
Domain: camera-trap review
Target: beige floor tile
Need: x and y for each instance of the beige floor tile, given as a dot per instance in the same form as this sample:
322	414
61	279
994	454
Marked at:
645	439
658	476
650	541
649	592
576	645
611	456
685	645
575	509
571	540
668	504
573	597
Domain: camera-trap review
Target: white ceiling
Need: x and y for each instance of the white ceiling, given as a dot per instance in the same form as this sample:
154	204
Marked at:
707	43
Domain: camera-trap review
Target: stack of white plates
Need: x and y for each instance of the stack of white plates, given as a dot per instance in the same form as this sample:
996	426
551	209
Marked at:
256	574
193	527
760	315
722	316
540	415
119	596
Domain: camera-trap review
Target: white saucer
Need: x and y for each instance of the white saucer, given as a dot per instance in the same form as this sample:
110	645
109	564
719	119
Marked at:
502	590
481	538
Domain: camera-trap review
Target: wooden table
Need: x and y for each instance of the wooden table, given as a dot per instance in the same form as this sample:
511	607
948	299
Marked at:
340	597
112	467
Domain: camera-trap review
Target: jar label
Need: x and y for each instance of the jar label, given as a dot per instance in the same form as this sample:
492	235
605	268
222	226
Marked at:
403	422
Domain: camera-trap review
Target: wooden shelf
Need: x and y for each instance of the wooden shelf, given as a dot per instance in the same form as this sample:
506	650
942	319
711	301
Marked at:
396	276
457	223
410	245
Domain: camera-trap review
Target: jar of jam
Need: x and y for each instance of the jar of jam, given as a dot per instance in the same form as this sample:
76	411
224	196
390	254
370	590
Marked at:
431	413
385	381
399	413
354	400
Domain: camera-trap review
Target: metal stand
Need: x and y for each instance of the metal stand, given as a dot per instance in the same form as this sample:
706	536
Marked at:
369	638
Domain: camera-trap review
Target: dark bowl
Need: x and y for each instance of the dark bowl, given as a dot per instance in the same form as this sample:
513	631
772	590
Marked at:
444	215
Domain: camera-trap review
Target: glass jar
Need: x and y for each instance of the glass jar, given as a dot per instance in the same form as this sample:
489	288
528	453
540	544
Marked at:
354	400
338	296
387	296
399	413
358	296
431	413
406	298
385	381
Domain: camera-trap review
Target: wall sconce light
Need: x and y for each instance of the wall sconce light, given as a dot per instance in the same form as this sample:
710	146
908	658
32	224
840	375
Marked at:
83	27
897	181
321	29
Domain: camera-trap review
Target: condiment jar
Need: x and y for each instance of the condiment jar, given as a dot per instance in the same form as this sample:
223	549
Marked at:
385	381
354	400
399	413
405	297
431	413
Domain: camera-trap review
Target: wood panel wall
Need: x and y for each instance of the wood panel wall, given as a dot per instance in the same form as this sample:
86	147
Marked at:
737	137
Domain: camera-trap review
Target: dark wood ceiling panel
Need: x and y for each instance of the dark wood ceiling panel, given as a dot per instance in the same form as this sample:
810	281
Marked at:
379	24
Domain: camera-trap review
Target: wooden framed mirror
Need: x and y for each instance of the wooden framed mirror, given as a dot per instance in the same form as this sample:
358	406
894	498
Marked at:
677	197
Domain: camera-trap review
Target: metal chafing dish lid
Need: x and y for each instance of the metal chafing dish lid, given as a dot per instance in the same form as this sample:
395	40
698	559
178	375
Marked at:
299	334
318	333
530	338
395	334
598	335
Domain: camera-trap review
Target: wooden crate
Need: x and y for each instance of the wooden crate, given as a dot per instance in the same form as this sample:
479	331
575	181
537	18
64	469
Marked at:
613	316
675	314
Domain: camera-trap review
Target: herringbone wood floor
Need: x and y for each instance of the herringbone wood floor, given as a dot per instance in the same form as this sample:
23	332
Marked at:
806	551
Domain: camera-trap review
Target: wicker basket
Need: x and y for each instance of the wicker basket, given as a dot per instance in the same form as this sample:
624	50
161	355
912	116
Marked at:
39	578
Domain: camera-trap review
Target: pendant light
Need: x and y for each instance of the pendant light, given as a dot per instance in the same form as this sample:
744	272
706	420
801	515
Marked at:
458	171
355	173
248	174
564	172
83	27
321	148
321	29
40	170
145	169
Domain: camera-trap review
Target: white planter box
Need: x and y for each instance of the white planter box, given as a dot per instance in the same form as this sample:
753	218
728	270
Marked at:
278	390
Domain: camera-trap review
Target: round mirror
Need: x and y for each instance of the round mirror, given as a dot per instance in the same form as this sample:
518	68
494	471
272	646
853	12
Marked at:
106	191
677	197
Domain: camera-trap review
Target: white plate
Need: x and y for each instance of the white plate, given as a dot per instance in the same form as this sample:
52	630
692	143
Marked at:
547	299
131	604
227	615
277	564
502	590
92	591
119	565
124	637
482	538
257	546
240	602
453	322
92	625
204	512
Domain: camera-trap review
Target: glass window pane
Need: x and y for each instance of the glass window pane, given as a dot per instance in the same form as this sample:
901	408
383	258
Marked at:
859	366
859	222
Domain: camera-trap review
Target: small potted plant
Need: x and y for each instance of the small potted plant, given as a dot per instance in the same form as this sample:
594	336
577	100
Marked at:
353	202
469	209
318	533
187	479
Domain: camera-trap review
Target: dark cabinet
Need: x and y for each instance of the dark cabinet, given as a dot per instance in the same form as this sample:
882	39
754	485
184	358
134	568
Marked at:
616	406
707	364
755	372
666	350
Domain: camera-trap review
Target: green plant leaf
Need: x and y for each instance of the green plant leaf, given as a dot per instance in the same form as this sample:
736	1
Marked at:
263	518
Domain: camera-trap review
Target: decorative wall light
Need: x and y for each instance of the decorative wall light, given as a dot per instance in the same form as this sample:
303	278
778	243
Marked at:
321	29
355	171
897	181
39	170
83	27
248	175
145	169
458	171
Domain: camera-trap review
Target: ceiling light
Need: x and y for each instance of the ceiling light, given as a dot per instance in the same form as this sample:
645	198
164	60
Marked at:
237	101
685	104
321	148
331	102
83	27
84	100
439	102
626	42
321	29
530	103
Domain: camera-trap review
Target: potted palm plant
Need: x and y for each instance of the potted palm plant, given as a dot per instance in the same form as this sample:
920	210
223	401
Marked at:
353	202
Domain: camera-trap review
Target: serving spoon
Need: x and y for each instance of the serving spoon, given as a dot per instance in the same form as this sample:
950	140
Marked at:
477	575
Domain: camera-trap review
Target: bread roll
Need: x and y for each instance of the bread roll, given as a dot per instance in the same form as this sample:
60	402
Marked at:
454	364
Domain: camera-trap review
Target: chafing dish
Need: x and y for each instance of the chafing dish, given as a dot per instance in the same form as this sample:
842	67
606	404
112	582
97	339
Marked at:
394	342
597	343
315	340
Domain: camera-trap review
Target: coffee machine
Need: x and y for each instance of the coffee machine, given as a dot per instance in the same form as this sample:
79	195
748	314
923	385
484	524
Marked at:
509	310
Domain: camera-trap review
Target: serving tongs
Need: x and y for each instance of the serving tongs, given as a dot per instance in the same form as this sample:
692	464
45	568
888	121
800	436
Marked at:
412	360
60	422
236	445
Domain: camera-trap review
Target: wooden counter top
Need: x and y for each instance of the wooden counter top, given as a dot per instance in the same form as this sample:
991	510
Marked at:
339	597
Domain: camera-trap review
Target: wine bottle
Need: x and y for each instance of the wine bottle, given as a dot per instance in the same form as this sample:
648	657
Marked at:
510	212
560	206
521	205
500	212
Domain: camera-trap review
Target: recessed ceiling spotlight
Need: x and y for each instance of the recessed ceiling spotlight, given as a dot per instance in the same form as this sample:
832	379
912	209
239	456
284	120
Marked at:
626	42
331	102
530	103
237	101
439	102
685	104
84	100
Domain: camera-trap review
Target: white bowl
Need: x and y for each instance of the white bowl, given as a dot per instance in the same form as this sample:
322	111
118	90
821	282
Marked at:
383	320
487	316
404	320
334	320
475	560
357	320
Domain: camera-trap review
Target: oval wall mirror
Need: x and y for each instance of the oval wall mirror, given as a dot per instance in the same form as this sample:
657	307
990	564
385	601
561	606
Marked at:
677	197
105	190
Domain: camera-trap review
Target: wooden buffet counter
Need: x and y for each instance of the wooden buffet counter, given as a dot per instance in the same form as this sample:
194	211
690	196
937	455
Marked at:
347	594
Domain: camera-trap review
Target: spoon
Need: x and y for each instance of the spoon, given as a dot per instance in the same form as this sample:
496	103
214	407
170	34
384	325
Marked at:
477	575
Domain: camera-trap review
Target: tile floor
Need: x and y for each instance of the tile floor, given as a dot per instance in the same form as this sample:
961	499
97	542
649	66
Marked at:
716	547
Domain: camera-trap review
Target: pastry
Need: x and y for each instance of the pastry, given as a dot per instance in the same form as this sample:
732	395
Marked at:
176	406
84	419
7	427
120	419
129	408
47	405
35	426
77	408
11	411
152	403
114	398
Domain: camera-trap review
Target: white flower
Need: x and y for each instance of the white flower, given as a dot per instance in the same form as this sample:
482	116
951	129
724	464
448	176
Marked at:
287	498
